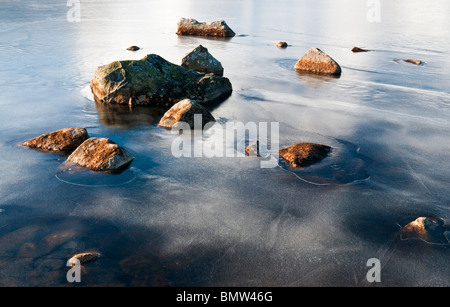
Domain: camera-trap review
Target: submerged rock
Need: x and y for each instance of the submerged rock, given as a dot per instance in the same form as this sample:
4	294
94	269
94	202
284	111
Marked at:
189	26
101	154
84	258
133	48
316	61
64	140
202	61
357	49
304	154
282	45
156	82
184	111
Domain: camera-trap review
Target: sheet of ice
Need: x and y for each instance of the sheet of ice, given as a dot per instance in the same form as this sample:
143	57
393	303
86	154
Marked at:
226	221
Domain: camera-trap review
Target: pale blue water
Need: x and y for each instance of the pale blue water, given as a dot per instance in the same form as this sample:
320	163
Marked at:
225	221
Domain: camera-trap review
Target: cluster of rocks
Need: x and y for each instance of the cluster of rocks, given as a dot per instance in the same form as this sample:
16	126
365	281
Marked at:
186	89
98	154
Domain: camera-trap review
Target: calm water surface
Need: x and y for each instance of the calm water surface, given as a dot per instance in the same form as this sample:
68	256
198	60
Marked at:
226	221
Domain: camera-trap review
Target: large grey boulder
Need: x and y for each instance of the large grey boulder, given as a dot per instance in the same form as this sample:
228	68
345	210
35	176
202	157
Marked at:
156	82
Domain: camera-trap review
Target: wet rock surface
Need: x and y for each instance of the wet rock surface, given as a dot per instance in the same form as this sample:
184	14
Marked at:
64	140
316	61
154	81
189	26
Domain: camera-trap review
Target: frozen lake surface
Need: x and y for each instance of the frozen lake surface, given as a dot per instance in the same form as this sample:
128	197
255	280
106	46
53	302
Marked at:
227	221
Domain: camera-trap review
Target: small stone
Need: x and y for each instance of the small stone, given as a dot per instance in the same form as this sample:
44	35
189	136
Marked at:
282	45
253	149
304	154
184	111
189	26
133	48
422	227
416	62
101	154
64	140
316	61
201	60
84	258
357	49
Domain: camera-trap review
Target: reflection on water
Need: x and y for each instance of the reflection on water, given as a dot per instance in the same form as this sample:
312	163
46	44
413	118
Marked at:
124	116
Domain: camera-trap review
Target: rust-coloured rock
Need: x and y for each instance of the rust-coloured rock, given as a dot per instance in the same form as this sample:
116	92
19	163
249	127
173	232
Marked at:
416	62
422	227
282	45
316	61
189	26
304	154
64	140
101	154
184	111
84	258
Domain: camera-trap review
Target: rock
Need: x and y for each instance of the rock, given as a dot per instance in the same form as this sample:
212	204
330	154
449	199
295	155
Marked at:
416	62
315	61
253	149
84	258
420	227
101	154
156	82
304	154
282	45
64	140
133	48
357	49
202	61
184	111
189	26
